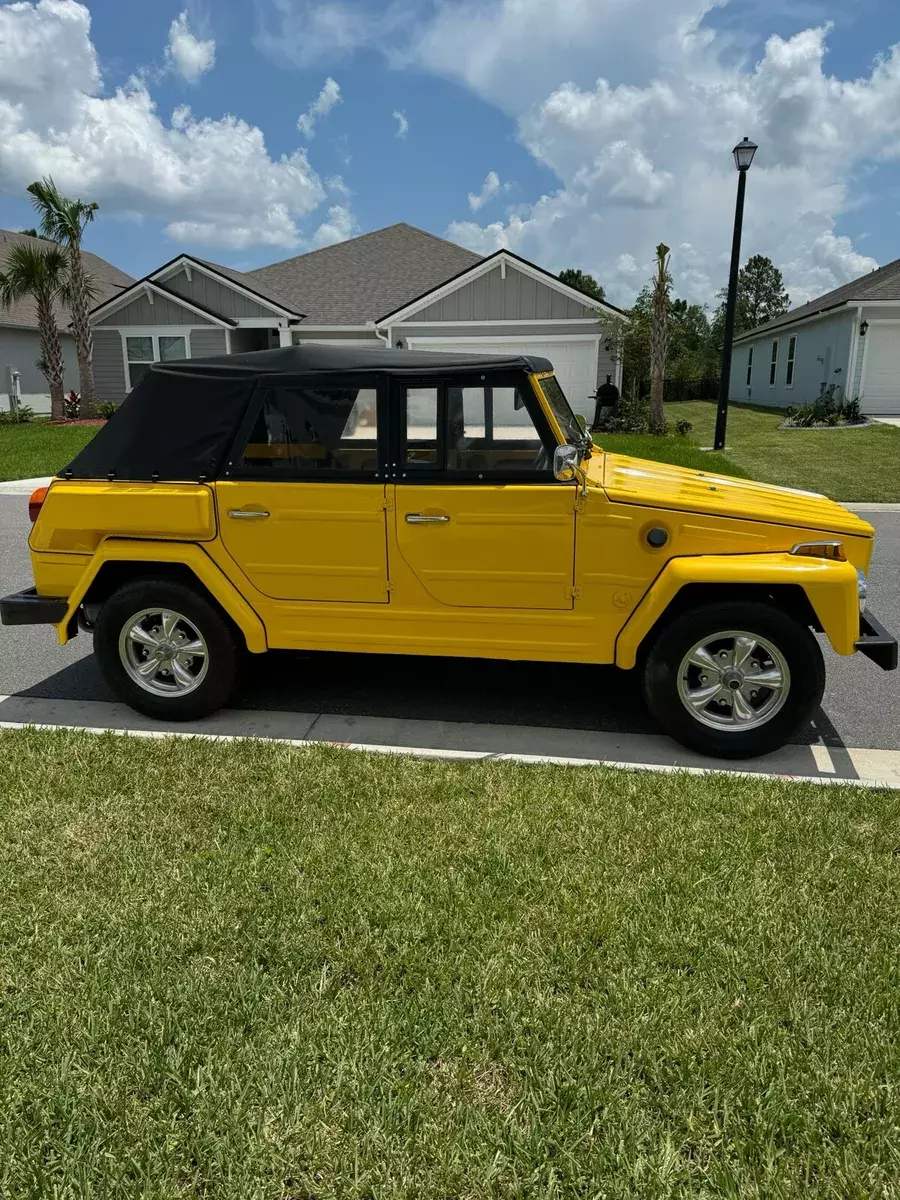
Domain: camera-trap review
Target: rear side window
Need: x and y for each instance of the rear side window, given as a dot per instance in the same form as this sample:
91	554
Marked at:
314	431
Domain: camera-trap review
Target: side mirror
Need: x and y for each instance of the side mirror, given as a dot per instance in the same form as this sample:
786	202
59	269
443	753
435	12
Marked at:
565	461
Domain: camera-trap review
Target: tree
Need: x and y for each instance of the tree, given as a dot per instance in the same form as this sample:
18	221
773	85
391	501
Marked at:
43	274
582	282
662	282
64	221
30	233
761	296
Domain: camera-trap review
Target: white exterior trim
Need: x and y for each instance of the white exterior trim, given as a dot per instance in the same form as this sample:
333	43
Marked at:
865	361
513	324
260	322
155	332
368	327
184	261
501	259
116	302
556	337
374	343
285	337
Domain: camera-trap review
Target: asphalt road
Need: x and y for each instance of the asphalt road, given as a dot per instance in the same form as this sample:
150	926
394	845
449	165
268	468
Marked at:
861	706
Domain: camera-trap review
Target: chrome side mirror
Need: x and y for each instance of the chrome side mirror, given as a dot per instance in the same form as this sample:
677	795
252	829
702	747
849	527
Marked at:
566	460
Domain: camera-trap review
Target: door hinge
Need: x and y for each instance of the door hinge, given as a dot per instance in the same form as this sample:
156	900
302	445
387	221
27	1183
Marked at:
389	587
579	503
574	593
388	504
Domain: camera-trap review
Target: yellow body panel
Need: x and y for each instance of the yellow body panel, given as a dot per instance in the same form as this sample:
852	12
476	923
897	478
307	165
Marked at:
540	571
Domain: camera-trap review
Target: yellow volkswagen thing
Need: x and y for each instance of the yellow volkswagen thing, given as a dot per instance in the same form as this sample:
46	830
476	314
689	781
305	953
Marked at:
391	501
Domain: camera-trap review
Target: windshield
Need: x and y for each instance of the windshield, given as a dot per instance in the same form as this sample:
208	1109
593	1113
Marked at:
565	418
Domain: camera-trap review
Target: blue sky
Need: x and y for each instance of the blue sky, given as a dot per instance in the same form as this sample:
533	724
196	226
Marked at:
588	174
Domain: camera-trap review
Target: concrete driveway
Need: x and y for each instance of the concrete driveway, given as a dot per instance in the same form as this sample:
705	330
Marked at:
463	706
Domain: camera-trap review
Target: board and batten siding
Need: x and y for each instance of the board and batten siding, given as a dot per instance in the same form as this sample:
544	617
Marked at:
212	294
20	350
163	311
109	365
821	357
518	297
206	342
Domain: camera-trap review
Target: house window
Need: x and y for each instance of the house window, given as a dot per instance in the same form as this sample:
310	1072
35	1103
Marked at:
142	350
749	366
789	372
773	365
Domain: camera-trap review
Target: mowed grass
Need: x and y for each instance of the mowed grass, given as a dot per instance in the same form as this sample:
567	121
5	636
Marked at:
38	449
846	464
249	971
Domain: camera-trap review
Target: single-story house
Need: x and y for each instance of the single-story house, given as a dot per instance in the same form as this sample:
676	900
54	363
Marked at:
20	345
849	337
398	286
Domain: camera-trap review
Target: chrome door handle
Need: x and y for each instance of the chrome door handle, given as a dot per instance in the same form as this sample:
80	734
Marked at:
424	519
247	514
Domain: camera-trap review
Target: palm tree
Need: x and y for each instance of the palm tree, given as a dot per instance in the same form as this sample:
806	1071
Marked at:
659	336
43	274
64	221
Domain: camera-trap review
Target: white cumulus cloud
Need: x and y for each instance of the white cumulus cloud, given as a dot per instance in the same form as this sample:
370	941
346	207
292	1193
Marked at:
187	54
329	96
402	124
341	224
208	180
489	189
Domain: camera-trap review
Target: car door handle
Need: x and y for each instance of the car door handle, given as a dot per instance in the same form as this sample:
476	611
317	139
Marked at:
247	514
426	519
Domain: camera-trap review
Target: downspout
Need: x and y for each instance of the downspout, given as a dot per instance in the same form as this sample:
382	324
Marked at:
382	337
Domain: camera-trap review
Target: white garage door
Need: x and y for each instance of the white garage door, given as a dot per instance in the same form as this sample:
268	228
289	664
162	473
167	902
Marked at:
881	380
575	361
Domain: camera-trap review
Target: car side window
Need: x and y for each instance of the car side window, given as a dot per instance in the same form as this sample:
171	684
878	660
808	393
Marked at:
490	432
313	431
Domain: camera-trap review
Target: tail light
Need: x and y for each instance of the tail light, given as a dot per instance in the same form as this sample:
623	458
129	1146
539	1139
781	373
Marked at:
35	501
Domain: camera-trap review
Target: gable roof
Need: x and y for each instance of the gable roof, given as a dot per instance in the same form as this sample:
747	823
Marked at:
481	267
245	280
356	281
881	284
108	281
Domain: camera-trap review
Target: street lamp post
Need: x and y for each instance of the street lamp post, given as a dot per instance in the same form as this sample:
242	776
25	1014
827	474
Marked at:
743	157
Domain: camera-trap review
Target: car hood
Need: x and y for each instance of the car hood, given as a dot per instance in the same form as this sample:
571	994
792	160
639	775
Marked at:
659	485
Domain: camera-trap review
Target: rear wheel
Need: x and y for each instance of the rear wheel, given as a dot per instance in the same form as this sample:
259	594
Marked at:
734	680
166	650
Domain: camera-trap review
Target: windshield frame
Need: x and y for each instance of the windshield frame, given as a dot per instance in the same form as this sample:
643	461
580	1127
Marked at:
561	416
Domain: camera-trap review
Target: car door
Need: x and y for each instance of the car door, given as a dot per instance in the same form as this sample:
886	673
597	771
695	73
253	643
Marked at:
479	517
302	506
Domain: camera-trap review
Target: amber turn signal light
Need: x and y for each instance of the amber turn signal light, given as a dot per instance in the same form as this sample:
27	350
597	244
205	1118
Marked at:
35	500
833	550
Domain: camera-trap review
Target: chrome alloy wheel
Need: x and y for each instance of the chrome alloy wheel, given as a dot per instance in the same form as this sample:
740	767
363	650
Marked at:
163	652
733	680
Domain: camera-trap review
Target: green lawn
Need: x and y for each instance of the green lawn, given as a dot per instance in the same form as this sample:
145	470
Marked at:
247	971
846	464
37	449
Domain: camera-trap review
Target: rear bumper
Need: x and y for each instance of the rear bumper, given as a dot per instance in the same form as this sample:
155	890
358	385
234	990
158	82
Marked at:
876	643
28	608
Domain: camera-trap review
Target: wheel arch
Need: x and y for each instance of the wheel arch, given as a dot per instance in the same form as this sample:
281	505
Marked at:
118	562
817	593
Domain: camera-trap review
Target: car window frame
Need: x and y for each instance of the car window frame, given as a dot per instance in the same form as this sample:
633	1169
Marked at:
375	381
403	472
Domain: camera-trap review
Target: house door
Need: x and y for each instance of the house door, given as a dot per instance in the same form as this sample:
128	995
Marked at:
480	520
302	510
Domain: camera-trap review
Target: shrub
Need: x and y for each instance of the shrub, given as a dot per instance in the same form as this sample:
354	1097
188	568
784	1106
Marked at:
21	416
106	409
72	406
852	413
683	427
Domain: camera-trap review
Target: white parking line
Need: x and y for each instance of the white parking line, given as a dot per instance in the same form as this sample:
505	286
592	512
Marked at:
461	740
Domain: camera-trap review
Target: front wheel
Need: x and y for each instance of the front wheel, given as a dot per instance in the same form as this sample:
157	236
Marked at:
734	680
166	650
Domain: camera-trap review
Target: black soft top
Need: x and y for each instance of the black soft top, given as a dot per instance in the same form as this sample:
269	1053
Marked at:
180	421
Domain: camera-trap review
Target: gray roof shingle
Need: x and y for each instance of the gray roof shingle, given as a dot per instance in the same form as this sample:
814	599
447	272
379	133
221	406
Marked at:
108	281
362	279
881	284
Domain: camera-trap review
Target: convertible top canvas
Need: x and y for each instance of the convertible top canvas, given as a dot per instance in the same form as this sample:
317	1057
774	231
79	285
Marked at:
180	421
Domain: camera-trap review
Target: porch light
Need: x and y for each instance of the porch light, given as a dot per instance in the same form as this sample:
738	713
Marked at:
864	329
743	154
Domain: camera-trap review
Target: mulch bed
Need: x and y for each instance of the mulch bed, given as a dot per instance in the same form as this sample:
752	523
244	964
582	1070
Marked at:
95	421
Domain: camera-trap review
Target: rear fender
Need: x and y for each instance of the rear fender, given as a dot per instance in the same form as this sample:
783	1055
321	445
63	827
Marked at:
830	587
181	553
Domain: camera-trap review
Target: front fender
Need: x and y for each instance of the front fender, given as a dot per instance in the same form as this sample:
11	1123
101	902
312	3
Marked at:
831	588
185	554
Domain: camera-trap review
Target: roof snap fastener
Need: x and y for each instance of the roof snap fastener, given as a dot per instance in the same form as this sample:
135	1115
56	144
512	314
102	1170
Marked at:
657	538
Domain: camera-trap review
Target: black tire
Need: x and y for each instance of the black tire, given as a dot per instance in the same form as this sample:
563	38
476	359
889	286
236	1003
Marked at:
794	641
119	611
